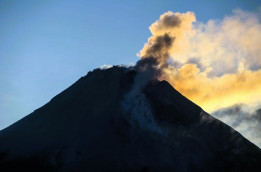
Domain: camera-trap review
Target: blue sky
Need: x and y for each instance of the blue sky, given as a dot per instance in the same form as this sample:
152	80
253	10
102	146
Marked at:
45	46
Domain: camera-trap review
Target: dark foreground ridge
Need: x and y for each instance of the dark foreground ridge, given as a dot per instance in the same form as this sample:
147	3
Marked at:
88	128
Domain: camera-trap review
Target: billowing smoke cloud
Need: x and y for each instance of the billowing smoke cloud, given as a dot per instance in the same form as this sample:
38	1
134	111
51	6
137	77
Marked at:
244	119
215	64
154	60
167	33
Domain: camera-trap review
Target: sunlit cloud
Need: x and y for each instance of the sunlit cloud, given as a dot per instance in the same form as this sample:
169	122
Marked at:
215	64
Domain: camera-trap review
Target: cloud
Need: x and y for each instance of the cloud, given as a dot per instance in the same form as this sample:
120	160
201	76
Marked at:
215	64
243	119
168	35
105	67
228	44
212	93
154	57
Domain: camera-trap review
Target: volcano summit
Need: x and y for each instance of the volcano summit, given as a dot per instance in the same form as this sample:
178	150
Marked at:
107	122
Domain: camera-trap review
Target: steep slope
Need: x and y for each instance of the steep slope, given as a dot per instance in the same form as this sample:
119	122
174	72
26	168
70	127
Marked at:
87	127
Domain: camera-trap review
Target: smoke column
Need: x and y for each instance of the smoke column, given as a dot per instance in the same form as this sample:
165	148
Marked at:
215	64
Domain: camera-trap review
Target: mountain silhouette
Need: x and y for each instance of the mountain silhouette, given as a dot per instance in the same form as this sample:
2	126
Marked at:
94	125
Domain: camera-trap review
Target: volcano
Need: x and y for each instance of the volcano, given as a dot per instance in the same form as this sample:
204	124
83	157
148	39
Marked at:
94	125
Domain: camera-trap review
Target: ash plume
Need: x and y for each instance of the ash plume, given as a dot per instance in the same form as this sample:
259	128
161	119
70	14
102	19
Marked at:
156	56
165	32
209	63
154	60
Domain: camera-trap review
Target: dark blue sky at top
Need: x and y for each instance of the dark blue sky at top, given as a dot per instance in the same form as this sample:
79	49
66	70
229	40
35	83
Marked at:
45	46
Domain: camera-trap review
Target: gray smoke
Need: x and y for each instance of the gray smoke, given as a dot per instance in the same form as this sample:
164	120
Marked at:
170	21
153	60
244	120
156	56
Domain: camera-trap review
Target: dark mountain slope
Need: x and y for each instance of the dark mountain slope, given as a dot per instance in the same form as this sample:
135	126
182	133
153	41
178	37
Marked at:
88	128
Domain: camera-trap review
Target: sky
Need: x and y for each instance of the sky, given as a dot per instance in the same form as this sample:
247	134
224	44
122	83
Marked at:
46	46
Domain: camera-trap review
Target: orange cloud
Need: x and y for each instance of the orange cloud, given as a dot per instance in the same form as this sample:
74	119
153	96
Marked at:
216	92
215	64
